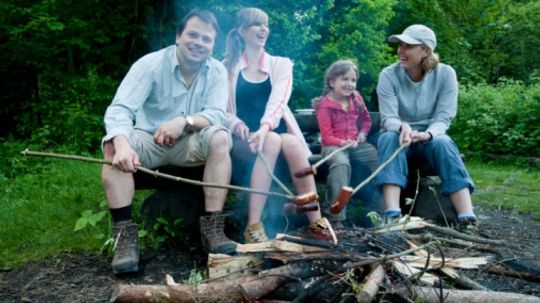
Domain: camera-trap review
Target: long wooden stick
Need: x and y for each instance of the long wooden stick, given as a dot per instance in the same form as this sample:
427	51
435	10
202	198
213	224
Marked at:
378	170
312	169
26	152
271	173
330	155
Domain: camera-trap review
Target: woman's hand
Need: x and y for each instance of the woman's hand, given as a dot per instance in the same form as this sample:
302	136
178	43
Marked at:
405	134
256	139
420	136
242	131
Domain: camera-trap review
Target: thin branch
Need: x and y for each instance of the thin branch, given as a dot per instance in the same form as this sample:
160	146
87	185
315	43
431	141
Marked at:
156	173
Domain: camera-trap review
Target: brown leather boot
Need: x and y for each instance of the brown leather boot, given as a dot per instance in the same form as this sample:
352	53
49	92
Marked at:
126	247
213	236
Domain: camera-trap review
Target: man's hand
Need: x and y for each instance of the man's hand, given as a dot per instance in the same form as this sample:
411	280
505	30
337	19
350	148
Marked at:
170	131
256	139
125	158
405	135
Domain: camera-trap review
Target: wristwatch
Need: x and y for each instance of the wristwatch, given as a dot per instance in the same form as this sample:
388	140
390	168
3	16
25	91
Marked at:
190	124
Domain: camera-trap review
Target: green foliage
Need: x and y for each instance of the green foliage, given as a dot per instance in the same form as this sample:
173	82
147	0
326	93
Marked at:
167	232
502	119
69	112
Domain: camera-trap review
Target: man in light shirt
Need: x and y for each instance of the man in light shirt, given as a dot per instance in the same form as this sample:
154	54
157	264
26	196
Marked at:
169	110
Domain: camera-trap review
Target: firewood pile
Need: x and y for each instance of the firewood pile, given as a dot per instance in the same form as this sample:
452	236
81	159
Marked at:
408	261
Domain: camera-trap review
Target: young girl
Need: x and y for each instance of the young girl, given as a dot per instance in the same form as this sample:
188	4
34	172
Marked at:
258	116
344	119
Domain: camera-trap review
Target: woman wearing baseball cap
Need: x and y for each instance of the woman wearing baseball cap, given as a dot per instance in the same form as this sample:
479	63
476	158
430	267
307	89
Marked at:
417	101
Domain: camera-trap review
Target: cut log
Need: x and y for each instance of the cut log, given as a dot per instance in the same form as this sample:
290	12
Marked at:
277	245
220	265
409	272
371	286
434	262
223	290
433	295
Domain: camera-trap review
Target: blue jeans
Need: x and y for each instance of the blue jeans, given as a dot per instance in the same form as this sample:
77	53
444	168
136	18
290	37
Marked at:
441	153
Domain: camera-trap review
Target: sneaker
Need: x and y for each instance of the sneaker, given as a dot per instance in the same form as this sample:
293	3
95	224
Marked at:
391	216
468	225
213	236
255	233
338	224
125	247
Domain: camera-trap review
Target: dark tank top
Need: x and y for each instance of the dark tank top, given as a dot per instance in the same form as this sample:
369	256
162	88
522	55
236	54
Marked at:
251	99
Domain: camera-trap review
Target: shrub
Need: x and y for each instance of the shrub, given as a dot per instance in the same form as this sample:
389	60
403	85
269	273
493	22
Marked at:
502	119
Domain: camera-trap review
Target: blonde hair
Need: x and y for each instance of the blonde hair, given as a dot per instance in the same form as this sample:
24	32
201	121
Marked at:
338	68
245	18
431	61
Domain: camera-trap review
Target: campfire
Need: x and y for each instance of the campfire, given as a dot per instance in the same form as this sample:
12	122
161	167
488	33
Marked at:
407	261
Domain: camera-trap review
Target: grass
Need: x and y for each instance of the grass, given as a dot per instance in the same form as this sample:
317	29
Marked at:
506	186
41	199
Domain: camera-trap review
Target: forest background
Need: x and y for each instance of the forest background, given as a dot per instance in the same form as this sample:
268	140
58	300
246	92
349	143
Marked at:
62	60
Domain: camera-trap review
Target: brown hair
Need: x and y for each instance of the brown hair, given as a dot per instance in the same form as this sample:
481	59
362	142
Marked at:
245	18
431	61
206	16
338	68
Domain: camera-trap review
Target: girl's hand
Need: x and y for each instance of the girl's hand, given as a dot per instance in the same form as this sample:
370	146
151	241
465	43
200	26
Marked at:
256	140
361	137
353	143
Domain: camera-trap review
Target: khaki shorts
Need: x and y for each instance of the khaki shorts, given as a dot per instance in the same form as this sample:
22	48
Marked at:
190	150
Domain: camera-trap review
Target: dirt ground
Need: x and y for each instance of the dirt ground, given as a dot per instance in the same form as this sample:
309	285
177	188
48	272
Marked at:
88	278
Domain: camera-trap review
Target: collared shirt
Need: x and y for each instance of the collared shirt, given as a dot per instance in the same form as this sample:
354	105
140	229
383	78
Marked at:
154	91
428	105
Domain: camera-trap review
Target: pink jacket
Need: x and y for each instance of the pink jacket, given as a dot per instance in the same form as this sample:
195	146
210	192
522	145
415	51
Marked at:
280	71
337	125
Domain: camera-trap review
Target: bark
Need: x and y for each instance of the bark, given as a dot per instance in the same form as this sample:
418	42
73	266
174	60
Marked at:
372	284
434	295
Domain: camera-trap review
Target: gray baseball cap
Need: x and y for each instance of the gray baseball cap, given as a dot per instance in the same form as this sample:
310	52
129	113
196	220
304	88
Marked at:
416	34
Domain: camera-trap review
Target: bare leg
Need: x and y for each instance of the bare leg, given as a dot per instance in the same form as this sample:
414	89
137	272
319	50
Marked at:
260	179
297	160
462	201
391	194
217	170
119	186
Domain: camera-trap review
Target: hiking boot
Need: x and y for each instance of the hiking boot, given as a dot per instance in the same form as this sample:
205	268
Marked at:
255	233
213	236
125	247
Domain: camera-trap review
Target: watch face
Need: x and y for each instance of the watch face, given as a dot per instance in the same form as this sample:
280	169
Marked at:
189	121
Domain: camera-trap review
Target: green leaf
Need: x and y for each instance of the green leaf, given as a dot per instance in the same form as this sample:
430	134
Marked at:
81	223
